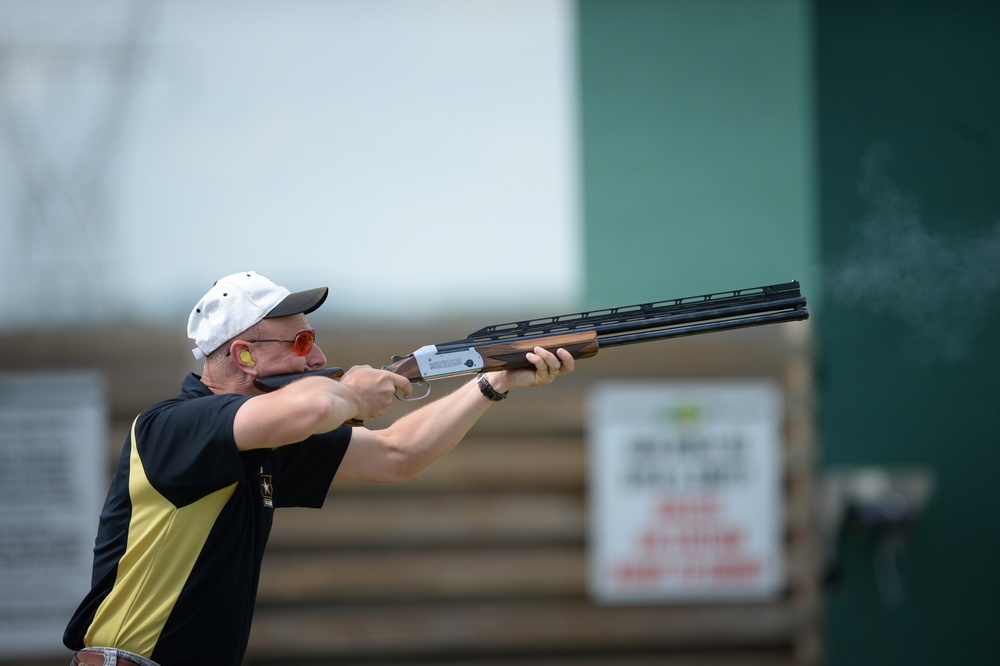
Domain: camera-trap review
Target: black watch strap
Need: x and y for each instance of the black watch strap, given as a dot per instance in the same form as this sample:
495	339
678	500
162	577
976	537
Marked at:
488	390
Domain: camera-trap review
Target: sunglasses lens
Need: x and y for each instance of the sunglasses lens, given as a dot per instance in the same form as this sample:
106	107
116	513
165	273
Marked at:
304	343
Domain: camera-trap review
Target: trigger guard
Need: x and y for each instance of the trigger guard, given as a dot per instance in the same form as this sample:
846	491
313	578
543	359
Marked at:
409	398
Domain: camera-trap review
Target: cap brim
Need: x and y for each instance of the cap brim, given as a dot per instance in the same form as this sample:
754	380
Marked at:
301	302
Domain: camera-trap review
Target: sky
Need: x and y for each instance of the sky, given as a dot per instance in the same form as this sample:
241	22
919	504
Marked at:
418	157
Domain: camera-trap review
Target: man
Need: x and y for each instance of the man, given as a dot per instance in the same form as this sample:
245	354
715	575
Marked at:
183	530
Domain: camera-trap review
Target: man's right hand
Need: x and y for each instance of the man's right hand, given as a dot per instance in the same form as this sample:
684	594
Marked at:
374	389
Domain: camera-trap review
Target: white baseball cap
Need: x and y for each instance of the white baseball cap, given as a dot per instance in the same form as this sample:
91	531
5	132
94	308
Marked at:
237	302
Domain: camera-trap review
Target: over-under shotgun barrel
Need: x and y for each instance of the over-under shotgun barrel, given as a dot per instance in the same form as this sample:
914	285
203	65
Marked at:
628	324
502	346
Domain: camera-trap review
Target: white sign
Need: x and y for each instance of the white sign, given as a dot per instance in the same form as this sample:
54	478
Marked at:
685	491
52	485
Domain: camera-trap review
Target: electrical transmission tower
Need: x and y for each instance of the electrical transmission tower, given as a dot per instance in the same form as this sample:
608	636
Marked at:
67	78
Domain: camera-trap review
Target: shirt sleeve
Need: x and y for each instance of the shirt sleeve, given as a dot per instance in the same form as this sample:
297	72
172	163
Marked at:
188	449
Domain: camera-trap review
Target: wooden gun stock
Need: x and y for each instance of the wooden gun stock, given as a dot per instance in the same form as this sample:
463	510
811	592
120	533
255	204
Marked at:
275	382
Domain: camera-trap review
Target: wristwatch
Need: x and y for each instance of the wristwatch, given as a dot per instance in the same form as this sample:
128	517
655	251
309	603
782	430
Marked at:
488	390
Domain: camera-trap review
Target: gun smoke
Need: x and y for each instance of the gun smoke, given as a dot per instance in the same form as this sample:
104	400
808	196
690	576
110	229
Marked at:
940	287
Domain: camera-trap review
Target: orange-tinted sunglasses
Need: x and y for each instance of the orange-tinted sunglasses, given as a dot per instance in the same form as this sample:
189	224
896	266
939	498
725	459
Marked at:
301	345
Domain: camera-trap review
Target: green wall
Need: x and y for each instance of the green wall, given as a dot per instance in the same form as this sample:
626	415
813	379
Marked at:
854	146
909	148
696	125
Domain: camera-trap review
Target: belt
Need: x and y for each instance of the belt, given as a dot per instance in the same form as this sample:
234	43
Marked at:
95	658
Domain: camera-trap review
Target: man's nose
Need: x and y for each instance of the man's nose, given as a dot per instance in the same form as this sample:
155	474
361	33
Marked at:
316	357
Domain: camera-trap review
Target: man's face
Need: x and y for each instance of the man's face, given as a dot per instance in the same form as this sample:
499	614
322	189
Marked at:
275	350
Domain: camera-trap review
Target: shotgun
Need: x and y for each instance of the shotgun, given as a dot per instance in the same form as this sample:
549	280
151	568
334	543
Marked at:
503	346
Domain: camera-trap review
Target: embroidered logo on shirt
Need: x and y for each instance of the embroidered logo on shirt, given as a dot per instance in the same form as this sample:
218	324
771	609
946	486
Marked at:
266	489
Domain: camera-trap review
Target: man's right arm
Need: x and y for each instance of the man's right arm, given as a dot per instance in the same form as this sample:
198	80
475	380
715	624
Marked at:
313	405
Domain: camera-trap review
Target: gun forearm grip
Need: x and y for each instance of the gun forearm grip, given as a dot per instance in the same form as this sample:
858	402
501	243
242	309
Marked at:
510	355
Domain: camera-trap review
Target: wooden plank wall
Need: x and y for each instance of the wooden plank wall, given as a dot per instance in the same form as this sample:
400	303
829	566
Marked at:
482	560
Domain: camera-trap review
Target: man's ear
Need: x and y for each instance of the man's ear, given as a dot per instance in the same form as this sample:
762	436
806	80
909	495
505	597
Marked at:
242	357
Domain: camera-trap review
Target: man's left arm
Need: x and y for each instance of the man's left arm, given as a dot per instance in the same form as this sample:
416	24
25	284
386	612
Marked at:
408	446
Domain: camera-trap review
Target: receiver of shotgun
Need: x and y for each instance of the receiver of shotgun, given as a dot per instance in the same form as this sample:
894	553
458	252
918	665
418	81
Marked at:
503	346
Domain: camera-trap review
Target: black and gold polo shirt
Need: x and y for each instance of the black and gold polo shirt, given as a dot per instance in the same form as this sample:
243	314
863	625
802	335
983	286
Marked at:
182	533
